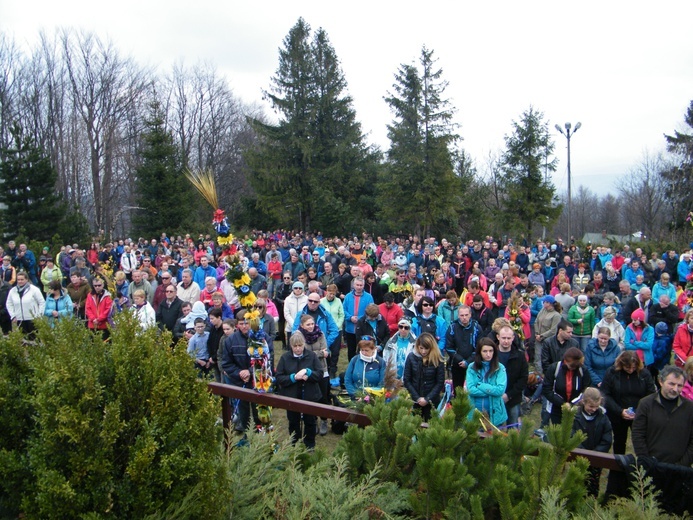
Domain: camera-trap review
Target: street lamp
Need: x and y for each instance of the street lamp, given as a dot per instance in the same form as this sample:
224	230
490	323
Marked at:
568	134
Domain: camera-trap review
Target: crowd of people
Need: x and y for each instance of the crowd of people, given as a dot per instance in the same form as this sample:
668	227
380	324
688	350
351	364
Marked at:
610	331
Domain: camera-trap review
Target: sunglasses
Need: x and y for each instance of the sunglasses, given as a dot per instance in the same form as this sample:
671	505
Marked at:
259	306
287	278
427	305
368	338
404	327
313	301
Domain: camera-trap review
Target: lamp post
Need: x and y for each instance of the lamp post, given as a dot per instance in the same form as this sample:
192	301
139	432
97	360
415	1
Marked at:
568	134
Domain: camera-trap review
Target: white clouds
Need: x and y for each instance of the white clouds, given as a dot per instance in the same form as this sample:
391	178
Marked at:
623	69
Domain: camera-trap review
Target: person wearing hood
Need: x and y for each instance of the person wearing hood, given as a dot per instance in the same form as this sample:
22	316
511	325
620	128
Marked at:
424	374
600	354
399	346
640	337
591	420
58	302
98	307
365	370
618	333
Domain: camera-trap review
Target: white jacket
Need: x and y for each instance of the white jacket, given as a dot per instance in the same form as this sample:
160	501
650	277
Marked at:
27	307
146	315
292	306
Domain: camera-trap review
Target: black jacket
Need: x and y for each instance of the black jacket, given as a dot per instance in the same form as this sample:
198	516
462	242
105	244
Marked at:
381	332
288	367
517	370
552	351
460	342
554	388
423	380
599	433
623	390
166	316
668	315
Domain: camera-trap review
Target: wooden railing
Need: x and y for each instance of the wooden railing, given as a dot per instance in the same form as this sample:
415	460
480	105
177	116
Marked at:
595	458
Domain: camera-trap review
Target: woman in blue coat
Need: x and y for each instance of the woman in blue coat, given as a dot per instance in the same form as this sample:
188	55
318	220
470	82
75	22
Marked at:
640	337
58	303
600	354
486	382
367	369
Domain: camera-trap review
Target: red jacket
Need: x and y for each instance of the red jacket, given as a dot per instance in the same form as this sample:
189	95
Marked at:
391	316
683	344
98	309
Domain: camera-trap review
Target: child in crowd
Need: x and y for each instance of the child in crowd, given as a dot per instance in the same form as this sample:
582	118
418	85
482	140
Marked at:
591	419
197	348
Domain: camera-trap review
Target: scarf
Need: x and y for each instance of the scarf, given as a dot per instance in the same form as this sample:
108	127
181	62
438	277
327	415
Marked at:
583	310
311	337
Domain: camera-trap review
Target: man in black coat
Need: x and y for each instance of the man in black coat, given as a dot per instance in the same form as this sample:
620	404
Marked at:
169	310
517	370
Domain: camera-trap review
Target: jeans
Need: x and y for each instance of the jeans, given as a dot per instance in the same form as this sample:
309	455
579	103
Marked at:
513	416
333	360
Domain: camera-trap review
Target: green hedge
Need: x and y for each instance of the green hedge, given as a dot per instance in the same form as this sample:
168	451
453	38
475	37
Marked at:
121	429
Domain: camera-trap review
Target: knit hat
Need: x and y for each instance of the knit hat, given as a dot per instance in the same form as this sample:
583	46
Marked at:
297	285
638	314
404	321
661	329
549	299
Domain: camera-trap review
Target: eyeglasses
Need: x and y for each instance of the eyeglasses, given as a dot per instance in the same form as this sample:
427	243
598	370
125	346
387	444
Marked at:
297	289
313	301
171	291
404	327
287	278
98	285
259	306
427	304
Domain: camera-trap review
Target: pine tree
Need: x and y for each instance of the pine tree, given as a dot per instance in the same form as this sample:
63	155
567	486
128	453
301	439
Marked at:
678	179
164	197
418	188
313	163
530	198
33	209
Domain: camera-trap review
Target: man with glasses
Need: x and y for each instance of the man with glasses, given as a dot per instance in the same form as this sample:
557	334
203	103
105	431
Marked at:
320	315
170	309
160	292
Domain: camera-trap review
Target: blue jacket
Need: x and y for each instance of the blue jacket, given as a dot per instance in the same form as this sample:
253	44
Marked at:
324	320
645	343
487	394
63	305
683	270
201	274
419	326
358	371
598	361
659	290
349	310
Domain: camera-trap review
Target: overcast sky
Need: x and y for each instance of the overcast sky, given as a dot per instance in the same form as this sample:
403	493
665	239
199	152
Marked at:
623	69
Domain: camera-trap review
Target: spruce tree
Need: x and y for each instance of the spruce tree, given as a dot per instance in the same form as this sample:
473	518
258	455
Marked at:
678	178
32	207
530	198
418	189
313	165
163	195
